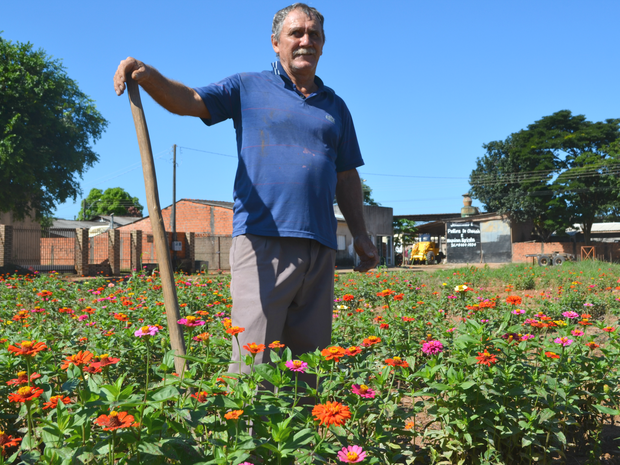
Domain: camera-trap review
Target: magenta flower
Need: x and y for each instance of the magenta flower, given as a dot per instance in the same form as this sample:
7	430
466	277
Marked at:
296	365
518	312
563	341
432	347
570	315
363	391
577	332
191	321
82	317
351	454
146	331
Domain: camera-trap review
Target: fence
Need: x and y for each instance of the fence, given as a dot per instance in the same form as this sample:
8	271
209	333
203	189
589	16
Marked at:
72	250
44	250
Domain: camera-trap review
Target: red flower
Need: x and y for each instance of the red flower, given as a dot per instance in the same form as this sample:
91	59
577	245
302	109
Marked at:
53	403
385	293
201	396
384	326
79	360
551	355
592	345
25	394
485	358
609	329
353	351
397	362
331	413
348	297
104	360
333	353
115	421
22	378
513	300
276	345
28	348
254	348
399	296
91	368
7	441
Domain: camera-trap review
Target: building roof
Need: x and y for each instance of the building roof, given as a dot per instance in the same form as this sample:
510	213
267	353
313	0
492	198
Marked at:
214	203
118	220
72	224
598	228
429	216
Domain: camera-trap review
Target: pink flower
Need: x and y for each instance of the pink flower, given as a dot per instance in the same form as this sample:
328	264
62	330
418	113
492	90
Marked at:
577	332
146	331
191	321
363	391
296	365
563	341
570	314
518	312
451	330
526	337
351	454
432	347
82	317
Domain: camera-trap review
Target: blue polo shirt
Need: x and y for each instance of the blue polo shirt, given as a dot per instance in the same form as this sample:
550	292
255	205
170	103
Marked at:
290	149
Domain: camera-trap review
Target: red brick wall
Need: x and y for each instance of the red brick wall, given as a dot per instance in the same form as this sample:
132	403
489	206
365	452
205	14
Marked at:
193	217
64	251
603	250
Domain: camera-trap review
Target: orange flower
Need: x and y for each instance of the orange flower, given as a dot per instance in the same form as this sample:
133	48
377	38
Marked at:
353	351
333	353
53	403
115	420
276	345
399	296
409	425
592	345
397	362
371	340
28	348
254	348
348	297
80	359
7	441
121	317
331	413
233	331
233	414
104	360
22	378
485	358
25	394
385	293
551	355
513	300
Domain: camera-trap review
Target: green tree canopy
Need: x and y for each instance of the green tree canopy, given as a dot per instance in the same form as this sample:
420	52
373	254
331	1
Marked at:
404	232
46	128
114	200
560	170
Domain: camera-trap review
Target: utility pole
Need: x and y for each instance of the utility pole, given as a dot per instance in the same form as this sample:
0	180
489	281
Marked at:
173	217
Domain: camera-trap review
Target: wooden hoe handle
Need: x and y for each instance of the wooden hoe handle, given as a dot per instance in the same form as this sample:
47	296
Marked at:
157	225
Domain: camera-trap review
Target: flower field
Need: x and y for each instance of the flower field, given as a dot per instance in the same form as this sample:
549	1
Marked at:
514	365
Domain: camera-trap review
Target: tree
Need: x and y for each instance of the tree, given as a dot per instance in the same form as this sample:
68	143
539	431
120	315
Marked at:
368	200
114	200
560	170
46	127
404	230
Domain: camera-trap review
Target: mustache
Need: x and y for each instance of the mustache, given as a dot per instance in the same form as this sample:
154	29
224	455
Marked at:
304	51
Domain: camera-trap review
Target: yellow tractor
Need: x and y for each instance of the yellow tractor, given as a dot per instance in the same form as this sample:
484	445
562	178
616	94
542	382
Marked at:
426	252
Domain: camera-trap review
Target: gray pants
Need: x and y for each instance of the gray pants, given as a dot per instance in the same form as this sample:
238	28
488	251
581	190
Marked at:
282	290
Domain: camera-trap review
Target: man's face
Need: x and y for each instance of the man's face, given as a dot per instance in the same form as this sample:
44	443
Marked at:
300	44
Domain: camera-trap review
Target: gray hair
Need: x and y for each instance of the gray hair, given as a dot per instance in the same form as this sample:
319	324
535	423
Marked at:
280	16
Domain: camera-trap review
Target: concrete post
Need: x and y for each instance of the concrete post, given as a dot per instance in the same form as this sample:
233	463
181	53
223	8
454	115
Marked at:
81	252
114	251
6	244
136	250
190	255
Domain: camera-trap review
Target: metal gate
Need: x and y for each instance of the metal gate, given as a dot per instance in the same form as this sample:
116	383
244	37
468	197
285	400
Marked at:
44	250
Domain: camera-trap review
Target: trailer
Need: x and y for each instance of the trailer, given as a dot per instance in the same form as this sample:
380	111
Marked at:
554	258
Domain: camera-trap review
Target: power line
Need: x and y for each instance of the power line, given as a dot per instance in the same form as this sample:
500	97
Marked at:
207	151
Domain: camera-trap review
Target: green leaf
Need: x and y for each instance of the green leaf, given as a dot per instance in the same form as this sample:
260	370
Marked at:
606	410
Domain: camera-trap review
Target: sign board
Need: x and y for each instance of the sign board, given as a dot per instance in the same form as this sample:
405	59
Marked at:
177	246
463	240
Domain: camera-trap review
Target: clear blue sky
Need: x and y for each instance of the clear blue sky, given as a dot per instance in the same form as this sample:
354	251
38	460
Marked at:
427	82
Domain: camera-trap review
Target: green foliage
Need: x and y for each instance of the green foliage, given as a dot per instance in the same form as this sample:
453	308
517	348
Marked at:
114	200
46	127
404	230
368	200
559	171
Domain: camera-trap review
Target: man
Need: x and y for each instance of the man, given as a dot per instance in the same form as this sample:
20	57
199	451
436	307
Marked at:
297	148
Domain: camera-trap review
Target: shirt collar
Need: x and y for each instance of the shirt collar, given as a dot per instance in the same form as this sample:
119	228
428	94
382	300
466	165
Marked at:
278	70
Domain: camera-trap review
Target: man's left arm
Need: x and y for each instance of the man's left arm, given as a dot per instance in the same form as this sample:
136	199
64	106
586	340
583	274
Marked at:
349	197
